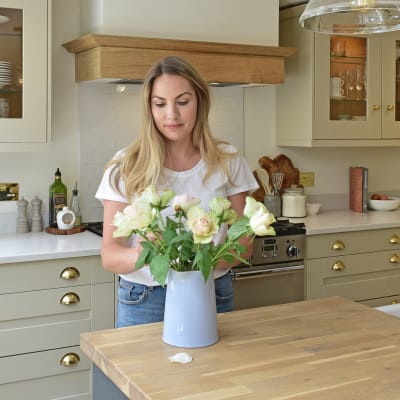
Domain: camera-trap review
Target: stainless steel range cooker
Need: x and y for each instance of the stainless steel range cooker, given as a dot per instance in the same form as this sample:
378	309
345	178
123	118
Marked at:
276	271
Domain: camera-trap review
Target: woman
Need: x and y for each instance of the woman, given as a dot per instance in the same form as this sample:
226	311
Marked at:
175	151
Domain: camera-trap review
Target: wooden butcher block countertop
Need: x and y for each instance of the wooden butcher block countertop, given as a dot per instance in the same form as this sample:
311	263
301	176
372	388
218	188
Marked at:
331	349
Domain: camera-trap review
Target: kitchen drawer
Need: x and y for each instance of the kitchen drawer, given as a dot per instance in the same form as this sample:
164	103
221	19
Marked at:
38	365
41	337
364	276
382	301
318	246
45	274
43	302
36	275
71	386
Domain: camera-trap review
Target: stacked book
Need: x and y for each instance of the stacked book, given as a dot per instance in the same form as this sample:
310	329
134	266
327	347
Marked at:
359	189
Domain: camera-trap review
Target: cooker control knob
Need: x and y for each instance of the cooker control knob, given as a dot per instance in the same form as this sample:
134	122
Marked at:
293	251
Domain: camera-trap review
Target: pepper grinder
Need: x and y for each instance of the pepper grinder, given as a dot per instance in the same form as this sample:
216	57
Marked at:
37	225
22	218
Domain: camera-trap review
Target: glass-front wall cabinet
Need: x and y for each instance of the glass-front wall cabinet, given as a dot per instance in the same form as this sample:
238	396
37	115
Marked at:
11	66
348	78
357	86
24	74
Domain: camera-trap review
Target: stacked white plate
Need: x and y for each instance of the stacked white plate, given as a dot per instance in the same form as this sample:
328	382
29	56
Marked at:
5	73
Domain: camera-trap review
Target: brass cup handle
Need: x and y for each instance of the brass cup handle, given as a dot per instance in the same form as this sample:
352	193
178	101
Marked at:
376	107
394	259
389	107
69	359
338	245
69	273
70	298
338	266
394	240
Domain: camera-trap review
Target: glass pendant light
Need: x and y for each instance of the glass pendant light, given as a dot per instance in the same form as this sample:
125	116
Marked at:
352	17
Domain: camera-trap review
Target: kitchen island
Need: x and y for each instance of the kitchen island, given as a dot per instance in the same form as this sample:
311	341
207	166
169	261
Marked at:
329	348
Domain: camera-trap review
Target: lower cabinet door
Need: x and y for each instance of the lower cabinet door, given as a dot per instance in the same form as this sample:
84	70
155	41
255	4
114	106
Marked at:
62	362
72	386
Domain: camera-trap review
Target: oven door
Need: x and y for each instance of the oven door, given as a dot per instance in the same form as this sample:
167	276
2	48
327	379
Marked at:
267	285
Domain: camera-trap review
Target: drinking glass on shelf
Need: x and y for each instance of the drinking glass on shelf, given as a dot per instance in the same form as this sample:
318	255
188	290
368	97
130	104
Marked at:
360	83
350	83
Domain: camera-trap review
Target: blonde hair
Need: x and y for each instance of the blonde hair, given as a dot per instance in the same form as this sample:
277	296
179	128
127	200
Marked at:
142	162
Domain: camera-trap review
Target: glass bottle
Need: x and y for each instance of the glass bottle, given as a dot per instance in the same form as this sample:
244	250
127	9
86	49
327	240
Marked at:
57	198
75	207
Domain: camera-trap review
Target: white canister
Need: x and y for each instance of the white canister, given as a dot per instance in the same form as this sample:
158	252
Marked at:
65	218
294	202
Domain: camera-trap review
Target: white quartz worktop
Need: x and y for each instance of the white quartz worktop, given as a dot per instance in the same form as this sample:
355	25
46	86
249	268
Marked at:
346	221
44	246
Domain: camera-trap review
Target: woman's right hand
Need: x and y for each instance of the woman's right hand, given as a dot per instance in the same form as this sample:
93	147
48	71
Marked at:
117	254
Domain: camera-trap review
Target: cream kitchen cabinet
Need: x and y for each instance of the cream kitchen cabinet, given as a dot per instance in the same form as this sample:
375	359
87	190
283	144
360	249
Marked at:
362	266
44	306
363	111
25	64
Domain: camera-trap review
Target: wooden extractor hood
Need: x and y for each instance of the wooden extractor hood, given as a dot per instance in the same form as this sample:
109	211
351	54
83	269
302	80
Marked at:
129	58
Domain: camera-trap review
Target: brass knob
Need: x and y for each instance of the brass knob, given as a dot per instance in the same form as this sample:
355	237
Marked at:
338	266
69	359
389	107
394	302
338	245
70	298
69	273
394	259
394	240
376	107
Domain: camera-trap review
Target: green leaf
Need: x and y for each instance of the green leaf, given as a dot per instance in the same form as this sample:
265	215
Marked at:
159	268
187	236
142	258
203	262
238	229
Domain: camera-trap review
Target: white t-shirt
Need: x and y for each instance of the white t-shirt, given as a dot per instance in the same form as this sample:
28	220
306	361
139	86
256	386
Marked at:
191	183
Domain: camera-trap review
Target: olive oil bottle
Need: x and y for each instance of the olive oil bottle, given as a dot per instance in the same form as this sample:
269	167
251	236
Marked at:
57	198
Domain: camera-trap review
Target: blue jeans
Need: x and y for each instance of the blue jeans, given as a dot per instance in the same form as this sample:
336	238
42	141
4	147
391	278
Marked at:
141	304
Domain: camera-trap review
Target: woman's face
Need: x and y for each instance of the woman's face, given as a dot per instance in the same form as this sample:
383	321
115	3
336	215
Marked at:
174	107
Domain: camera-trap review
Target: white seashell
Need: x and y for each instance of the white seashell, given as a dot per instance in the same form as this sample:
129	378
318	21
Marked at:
181	358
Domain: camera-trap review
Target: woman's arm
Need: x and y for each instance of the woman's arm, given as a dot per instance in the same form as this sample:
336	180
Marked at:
238	202
116	254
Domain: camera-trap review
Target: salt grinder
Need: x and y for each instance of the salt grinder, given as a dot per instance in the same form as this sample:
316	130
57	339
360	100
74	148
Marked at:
22	217
37	224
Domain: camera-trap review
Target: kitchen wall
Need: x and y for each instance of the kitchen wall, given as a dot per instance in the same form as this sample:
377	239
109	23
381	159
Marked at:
91	121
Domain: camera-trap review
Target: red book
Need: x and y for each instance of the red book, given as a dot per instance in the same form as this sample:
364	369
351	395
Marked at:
358	189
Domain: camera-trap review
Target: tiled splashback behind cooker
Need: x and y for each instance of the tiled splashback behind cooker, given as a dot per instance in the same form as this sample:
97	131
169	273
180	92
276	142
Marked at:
109	121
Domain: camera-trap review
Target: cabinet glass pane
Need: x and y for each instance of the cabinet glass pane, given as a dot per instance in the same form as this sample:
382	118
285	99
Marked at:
11	62
397	83
348	78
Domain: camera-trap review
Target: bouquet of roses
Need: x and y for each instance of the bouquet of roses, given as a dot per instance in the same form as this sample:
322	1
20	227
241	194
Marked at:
184	240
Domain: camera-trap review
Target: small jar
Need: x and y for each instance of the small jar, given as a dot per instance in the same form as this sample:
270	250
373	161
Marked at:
294	202
65	218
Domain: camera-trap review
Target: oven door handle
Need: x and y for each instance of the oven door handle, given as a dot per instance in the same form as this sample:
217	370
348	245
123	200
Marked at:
237	275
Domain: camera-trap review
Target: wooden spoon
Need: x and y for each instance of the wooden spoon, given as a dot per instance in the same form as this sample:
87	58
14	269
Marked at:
264	179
